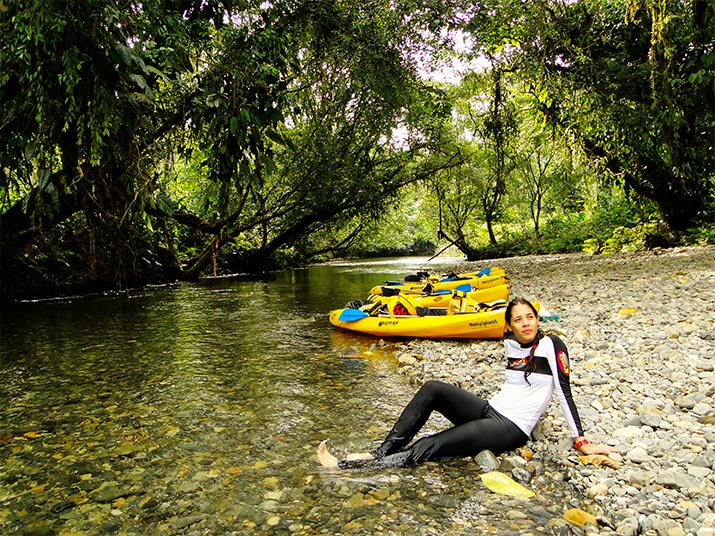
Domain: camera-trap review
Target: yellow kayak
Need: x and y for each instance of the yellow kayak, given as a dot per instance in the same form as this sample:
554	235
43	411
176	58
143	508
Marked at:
474	325
468	281
399	316
445	299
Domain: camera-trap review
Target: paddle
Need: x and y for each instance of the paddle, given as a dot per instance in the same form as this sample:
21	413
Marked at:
351	315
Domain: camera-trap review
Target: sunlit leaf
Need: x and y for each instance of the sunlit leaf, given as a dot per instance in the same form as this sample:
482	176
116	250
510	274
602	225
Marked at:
599	459
501	483
580	518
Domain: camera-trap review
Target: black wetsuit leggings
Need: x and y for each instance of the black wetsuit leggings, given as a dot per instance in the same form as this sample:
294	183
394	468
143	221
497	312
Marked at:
477	427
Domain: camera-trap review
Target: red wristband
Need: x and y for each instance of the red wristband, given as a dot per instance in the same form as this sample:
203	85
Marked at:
580	443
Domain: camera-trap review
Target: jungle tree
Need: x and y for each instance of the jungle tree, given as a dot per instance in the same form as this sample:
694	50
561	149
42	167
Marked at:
459	193
543	166
103	102
498	134
484	131
92	92
634	84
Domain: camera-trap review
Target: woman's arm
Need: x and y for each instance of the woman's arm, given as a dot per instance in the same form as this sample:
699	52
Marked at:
561	369
561	372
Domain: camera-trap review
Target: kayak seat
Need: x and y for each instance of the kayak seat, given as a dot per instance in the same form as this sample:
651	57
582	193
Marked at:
431	311
389	291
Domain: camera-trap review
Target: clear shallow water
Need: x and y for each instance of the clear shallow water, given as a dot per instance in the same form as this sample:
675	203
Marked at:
196	409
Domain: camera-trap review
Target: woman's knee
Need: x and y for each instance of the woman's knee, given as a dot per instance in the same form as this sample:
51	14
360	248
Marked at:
432	387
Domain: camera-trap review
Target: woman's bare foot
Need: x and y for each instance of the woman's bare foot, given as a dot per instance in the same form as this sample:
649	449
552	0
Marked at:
324	457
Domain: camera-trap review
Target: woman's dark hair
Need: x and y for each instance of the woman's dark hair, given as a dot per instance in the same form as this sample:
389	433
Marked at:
518	301
530	363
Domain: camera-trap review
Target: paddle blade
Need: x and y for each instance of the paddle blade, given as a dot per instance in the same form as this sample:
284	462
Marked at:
351	315
466	287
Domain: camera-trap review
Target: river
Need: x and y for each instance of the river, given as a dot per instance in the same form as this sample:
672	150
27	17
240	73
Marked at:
197	408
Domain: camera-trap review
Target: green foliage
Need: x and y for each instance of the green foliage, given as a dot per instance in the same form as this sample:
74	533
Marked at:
640	74
565	233
704	235
405	230
187	127
609	223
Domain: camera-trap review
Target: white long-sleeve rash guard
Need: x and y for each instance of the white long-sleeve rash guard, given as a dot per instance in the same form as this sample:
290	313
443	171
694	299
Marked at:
524	400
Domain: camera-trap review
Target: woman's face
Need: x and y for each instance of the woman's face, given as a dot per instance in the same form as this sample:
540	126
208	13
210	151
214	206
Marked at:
524	323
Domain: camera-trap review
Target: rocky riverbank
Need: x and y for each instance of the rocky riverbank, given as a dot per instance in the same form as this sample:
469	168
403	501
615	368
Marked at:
640	328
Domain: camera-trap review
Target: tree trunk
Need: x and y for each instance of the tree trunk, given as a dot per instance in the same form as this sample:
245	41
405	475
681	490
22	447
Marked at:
37	213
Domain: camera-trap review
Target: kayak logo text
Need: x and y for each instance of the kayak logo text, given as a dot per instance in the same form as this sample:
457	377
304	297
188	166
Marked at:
482	323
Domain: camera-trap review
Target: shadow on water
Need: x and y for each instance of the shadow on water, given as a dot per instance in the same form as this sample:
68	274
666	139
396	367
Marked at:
196	409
